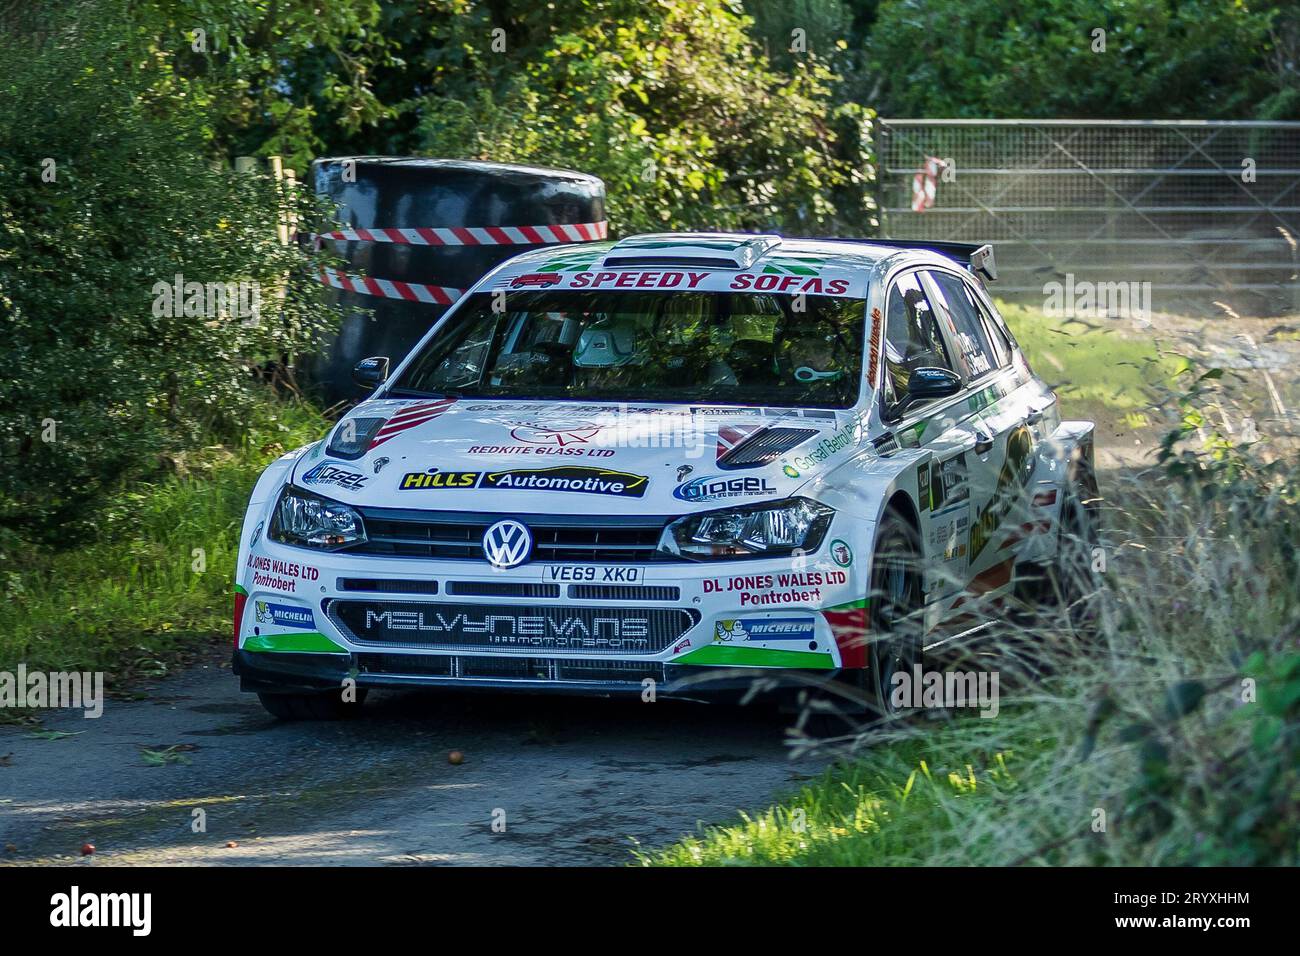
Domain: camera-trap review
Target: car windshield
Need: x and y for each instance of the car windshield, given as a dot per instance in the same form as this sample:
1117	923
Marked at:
683	347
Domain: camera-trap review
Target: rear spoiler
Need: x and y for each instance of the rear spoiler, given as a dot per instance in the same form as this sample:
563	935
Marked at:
976	257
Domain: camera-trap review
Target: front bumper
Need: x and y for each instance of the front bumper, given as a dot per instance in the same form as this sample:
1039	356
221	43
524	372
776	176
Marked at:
275	673
307	620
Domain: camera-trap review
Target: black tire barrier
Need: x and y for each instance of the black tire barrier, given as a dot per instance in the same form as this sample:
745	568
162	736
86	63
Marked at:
415	232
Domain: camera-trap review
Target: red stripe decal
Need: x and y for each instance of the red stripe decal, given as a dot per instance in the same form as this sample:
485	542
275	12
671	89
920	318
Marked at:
408	423
850	629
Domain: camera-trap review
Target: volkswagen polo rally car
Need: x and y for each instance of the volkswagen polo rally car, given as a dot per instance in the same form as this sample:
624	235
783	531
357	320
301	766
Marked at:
661	465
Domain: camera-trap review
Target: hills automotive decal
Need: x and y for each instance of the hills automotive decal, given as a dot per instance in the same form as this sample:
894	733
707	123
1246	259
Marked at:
577	479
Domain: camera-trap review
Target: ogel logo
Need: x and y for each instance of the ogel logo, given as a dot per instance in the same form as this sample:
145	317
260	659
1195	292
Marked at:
713	487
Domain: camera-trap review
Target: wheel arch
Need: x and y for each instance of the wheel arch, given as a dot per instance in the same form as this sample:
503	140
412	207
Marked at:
902	503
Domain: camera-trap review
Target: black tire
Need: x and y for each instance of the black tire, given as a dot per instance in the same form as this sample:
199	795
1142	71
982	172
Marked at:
1071	583
327	706
895	602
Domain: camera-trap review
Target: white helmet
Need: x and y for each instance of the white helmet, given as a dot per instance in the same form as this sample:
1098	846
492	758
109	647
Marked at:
605	345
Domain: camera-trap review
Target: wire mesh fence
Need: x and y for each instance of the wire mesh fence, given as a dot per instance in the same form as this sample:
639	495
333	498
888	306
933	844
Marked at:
1205	211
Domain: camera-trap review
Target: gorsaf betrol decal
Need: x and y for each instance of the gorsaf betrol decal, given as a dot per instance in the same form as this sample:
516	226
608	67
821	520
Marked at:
715	487
570	478
831	444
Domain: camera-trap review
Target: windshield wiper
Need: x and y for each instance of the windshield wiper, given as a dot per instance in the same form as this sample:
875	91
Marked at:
417	393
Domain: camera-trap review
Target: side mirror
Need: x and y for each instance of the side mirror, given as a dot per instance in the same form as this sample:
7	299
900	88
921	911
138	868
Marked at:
925	384
371	372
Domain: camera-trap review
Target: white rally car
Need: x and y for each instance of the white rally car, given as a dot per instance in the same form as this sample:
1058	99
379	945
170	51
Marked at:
637	464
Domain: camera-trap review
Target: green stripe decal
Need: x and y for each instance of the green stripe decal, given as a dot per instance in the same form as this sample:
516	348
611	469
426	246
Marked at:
851	605
738	655
239	589
304	642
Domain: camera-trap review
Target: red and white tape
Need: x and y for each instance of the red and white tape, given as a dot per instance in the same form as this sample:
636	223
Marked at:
391	288
477	235
925	184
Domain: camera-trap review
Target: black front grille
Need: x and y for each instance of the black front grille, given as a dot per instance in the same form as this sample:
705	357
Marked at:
621	630
393	587
422	665
594	538
625	592
507	668
502	589
504	667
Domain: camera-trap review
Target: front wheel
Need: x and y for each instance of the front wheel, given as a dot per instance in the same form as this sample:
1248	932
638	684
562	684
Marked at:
895	603
1071	582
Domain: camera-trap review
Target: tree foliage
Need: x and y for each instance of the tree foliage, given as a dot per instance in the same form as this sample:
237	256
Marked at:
1043	58
109	191
671	103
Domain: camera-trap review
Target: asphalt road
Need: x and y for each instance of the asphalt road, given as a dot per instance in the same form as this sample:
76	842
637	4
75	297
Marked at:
575	780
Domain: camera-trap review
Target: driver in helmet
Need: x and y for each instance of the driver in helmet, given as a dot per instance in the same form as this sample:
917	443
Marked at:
606	346
811	352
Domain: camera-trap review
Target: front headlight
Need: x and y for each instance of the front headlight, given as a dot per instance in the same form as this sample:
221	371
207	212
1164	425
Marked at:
756	531
309	521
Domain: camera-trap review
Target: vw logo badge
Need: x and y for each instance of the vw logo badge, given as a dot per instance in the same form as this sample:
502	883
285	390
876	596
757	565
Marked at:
507	543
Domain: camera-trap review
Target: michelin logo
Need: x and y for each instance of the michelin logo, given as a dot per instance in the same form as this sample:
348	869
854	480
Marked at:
765	629
284	615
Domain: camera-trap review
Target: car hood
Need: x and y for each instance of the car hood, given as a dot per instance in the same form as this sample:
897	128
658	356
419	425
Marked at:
518	457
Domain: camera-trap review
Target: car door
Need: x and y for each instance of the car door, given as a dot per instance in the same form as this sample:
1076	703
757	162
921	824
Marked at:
1004	443
914	339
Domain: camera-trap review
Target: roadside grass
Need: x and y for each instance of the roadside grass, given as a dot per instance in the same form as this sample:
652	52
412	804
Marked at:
893	806
1092	367
1171	737
153	581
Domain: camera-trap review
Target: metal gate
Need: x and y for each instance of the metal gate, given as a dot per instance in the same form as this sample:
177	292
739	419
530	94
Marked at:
1205	211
